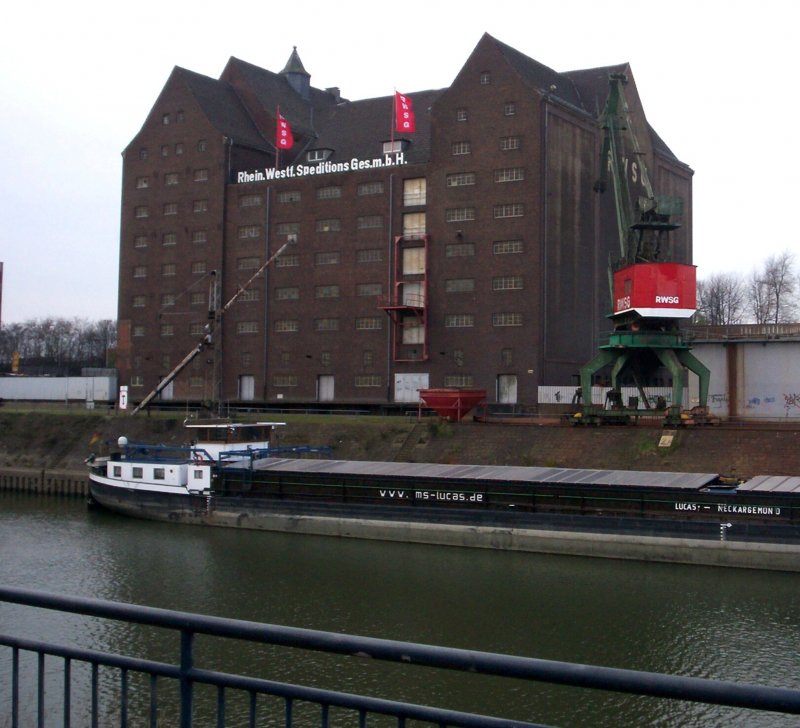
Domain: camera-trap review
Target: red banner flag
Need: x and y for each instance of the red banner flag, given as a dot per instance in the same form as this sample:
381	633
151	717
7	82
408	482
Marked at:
283	134
404	113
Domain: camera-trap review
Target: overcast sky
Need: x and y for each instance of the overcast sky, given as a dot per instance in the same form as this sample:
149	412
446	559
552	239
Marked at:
717	81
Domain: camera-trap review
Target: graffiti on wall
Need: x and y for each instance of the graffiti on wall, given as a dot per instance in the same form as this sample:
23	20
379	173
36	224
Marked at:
791	402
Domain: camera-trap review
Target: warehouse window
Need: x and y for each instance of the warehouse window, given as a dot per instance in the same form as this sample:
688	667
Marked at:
485	78
369	222
371	188
141	211
171	179
507	144
139	301
140	241
506	247
250	201
197	328
167	330
287	325
249	231
164	150
369	323
507	283
510	174
201	175
289	196
250	295
287	228
392	147
414	224
459	214
326	258
506	319
368	380
179	149
169	239
459	250
143	153
331	192
200	206
509	108
198	267
142	183
461	115
331	291
167	299
199	236
287	261
515	209
248	263
198	299
369	255
202	145
326	324
318	155
196	381
414	191
247	327
459	320
284	380
329	225
459	285
459	380
171	208
168	269
460	148
288	293
462	179
140	271
369	289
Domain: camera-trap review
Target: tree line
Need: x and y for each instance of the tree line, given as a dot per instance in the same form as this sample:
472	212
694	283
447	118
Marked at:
56	346
769	294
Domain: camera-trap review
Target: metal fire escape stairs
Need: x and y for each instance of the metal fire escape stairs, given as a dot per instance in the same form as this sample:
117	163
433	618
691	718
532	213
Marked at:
407	305
637	344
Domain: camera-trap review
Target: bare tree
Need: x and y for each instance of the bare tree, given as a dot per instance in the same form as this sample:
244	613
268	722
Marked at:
781	282
721	299
772	290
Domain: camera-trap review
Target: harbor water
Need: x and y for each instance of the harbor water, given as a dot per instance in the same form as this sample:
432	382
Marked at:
727	624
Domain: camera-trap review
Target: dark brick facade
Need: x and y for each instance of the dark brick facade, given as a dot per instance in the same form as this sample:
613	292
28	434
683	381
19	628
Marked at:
480	260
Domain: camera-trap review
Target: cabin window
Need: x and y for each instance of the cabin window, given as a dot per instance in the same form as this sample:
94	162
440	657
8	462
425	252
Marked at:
198	474
158	474
138	473
117	471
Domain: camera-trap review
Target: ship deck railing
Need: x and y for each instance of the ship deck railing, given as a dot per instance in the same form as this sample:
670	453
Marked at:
125	706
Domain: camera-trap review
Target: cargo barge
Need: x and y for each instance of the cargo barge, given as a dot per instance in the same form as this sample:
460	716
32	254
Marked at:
230	475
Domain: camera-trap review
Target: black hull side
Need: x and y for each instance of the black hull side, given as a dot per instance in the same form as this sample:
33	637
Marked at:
771	546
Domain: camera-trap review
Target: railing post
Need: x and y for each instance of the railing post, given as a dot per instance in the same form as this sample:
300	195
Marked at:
187	662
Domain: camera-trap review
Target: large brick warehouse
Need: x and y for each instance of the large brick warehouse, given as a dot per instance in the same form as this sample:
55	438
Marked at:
471	252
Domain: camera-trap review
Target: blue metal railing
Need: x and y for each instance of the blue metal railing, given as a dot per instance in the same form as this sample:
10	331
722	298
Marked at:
186	675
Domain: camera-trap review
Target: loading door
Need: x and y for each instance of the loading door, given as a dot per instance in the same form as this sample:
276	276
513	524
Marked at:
507	388
407	386
325	388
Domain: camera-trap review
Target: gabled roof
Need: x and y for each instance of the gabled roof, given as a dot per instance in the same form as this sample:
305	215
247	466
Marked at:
223	108
273	90
357	128
539	75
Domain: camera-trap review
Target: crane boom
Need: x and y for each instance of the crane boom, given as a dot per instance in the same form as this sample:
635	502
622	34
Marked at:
207	340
